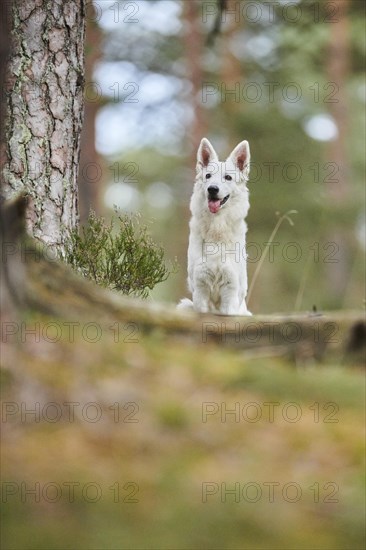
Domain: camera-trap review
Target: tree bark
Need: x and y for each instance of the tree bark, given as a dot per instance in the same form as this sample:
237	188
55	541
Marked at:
194	47
44	91
91	174
338	69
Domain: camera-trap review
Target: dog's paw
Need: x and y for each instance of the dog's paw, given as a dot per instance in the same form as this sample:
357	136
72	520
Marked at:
236	313
185	303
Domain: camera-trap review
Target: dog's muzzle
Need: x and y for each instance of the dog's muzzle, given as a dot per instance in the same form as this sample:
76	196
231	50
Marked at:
214	204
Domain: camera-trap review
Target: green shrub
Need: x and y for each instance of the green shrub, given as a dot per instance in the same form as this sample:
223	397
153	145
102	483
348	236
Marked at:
125	259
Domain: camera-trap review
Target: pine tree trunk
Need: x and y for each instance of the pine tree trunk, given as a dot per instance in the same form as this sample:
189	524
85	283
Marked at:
338	69
194	47
91	173
44	89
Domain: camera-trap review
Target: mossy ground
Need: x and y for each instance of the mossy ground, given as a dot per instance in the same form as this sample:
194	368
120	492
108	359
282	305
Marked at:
133	442
156	468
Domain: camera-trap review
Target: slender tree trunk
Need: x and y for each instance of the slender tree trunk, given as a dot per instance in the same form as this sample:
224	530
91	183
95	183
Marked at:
194	45
232	71
193	42
44	89
338	68
91	174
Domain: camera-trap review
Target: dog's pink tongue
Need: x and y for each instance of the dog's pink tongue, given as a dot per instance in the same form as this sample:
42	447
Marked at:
214	206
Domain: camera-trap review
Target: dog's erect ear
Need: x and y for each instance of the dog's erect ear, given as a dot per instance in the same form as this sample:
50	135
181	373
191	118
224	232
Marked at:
206	153
241	155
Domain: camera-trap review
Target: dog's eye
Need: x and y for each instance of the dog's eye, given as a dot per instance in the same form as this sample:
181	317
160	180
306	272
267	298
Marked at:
228	178
208	176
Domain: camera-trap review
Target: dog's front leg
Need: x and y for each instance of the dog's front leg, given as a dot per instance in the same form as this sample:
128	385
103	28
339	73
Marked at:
229	304
201	299
229	292
201	292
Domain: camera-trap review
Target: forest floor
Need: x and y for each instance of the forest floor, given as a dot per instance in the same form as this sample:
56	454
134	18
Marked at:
127	424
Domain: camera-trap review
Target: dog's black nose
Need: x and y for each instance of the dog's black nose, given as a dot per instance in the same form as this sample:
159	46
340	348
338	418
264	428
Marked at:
213	189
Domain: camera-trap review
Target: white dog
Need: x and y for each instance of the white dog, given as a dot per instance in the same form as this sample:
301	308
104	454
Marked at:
217	269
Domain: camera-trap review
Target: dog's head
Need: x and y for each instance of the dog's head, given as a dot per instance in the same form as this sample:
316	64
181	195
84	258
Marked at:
222	181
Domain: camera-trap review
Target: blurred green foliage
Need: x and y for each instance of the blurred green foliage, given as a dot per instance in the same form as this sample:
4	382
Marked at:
274	62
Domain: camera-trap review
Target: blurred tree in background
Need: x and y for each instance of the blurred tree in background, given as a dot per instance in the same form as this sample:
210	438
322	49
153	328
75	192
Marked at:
90	161
286	76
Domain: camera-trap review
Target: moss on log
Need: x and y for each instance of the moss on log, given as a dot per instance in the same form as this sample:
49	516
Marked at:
52	288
